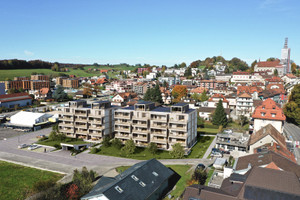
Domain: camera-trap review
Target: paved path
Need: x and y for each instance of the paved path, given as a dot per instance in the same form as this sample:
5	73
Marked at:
63	162
212	145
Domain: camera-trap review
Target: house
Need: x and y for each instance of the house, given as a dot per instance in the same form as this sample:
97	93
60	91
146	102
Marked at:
267	134
122	98
214	100
266	159
253	90
289	78
259	183
143	181
240	76
43	93
206	112
274	80
268	113
244	105
232	141
270	66
17	99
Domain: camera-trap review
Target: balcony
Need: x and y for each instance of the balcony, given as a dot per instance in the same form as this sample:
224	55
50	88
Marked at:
159	118
173	127
122	116
80	125
95	121
68	119
122	136
154	132
161	141
140	131
141	144
95	133
140	124
122	129
96	128
122	122
66	124
162	126
82	132
143	118
66	130
177	120
81	114
140	138
182	142
177	135
81	120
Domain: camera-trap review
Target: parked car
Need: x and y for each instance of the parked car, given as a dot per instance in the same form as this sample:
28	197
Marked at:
32	147
200	166
41	136
216	154
21	146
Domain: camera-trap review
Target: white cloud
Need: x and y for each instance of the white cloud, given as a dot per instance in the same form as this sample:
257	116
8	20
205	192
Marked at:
28	53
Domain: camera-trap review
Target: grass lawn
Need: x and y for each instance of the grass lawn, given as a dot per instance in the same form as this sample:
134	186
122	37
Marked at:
200	148
209	174
52	143
143	154
208	131
182	170
17	181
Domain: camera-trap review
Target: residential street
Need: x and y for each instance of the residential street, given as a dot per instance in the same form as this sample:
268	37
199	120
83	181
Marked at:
63	162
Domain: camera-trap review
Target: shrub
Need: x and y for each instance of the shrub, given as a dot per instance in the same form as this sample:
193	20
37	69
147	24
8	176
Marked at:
40	186
178	151
129	147
152	148
200	175
117	143
94	150
57	146
106	141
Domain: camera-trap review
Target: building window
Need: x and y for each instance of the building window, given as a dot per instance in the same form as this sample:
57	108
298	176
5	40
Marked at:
119	189
263	114
134	177
155	174
142	184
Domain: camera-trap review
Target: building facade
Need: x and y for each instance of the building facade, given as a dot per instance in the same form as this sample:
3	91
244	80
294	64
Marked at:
165	126
89	122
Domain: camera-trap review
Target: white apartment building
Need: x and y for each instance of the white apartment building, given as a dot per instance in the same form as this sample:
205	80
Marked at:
165	126
244	105
89	122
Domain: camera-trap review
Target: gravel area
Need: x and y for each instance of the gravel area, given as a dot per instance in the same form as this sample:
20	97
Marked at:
8	133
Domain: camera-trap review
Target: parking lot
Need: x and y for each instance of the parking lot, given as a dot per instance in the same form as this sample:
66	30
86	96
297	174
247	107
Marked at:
8	133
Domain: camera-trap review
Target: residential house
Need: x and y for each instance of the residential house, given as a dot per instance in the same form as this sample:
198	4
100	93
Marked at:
244	105
233	141
268	113
289	78
122	98
214	100
206	112
44	93
143	181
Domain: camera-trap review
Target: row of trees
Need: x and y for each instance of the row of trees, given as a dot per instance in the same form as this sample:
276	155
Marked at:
292	108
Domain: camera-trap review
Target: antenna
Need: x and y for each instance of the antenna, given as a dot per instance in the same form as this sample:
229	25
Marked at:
286	43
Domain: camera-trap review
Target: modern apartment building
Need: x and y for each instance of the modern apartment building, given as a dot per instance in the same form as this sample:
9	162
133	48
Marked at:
165	126
89	122
70	83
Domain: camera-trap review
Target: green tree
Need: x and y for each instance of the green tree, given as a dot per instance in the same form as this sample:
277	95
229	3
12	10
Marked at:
271	59
204	96
219	116
148	95
196	96
294	68
292	108
84	180
106	141
183	65
152	148
188	72
129	147
177	151
275	72
200	175
242	120
157	94
59	94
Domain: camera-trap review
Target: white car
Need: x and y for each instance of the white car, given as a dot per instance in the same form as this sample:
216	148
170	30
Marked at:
32	147
21	146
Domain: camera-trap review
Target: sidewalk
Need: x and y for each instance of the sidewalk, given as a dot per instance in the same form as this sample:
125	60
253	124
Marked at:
208	151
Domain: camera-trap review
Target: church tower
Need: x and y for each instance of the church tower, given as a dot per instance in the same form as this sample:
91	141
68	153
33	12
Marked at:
285	57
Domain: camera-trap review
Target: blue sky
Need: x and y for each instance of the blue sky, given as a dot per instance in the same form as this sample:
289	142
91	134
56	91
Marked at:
147	31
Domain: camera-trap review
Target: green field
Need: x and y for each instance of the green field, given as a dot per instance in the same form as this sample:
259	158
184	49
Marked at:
208	131
143	154
10	74
182	170
17	181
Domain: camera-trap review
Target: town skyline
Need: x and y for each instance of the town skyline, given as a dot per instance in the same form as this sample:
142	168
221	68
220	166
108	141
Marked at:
156	33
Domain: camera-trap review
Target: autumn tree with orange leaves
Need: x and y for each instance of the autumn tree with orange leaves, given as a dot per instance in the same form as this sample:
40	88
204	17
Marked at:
72	193
178	92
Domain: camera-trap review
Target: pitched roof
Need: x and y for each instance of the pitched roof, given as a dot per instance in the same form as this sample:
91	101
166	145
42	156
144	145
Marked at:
291	76
14	97
249	89
269	110
220	96
265	131
272	165
269	64
241	73
245	95
198	90
276	86
137	182
274	79
44	91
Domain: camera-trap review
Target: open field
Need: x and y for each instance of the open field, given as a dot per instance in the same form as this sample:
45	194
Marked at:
10	74
182	170
17	181
143	154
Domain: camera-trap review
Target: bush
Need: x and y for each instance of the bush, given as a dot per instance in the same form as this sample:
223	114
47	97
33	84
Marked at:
40	186
200	122
94	150
106	141
57	146
200	175
117	143
152	148
129	147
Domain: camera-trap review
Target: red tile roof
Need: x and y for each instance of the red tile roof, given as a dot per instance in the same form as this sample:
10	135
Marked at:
44	91
269	108
198	90
249	89
218	96
272	165
276	86
274	79
241	73
291	76
14	97
101	81
269	64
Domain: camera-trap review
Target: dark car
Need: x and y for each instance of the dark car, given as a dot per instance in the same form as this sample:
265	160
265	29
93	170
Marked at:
200	166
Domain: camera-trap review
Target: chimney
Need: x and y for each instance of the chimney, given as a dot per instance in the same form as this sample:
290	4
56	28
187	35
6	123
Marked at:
264	130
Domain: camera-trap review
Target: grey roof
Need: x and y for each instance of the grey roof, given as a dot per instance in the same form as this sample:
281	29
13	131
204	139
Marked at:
180	104
128	108
144	102
145	183
162	109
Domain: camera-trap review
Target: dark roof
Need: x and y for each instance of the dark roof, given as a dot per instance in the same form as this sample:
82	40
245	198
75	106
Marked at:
144	102
128	108
14	97
180	104
260	159
162	109
138	182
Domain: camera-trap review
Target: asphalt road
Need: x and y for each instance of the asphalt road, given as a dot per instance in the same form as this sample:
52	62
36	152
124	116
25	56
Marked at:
292	131
63	162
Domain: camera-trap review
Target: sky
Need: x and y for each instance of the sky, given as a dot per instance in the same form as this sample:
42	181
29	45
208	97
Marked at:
156	32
